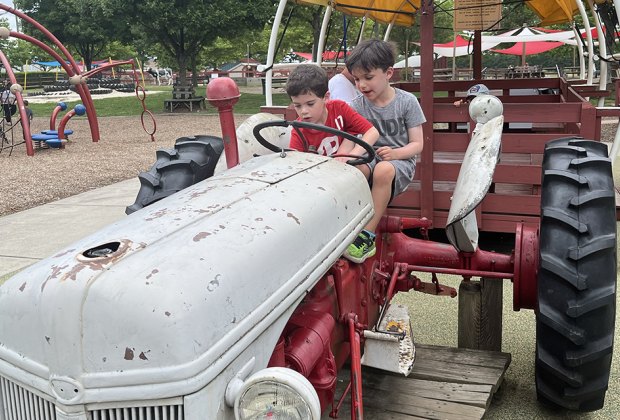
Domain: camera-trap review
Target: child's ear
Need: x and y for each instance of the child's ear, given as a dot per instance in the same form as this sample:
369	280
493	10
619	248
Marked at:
326	97
389	72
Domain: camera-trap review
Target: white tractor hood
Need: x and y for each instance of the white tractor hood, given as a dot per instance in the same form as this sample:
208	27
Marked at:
190	281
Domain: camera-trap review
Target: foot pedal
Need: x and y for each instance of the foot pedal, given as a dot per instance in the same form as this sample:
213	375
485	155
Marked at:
391	346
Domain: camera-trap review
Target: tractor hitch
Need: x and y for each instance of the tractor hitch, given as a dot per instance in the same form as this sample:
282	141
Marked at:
433	288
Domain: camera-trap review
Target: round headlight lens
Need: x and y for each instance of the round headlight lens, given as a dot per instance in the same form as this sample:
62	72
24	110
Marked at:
277	393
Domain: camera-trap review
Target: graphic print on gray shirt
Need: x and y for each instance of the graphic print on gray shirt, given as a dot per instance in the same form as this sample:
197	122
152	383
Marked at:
393	121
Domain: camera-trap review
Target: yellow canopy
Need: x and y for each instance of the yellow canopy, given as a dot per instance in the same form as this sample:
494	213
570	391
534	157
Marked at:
399	12
402	12
554	11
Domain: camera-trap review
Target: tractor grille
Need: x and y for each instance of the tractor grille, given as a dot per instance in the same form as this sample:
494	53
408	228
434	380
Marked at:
21	404
161	412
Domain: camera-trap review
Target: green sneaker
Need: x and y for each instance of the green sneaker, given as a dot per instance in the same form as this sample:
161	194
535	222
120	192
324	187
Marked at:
362	247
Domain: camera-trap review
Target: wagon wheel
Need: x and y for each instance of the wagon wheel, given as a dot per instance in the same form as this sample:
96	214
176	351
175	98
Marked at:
357	160
577	275
192	160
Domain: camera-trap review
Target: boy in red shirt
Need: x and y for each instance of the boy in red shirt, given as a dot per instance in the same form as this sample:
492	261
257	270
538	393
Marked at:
307	86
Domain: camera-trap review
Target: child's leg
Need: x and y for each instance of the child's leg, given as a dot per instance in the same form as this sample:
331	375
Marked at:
364	245
382	178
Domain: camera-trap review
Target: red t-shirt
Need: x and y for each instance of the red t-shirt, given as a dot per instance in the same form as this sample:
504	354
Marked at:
339	116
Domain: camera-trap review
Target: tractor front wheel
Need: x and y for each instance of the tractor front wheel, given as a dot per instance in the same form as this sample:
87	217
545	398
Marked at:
577	275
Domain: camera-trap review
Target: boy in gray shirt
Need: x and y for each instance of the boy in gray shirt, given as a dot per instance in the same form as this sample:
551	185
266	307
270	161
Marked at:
398	117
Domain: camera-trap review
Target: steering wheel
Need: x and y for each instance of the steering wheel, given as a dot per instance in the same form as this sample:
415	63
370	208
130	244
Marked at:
370	156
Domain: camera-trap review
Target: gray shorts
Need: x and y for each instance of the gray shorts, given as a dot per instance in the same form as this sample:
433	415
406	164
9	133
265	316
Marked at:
404	171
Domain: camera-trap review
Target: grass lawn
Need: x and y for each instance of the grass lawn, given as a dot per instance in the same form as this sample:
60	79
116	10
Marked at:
249	103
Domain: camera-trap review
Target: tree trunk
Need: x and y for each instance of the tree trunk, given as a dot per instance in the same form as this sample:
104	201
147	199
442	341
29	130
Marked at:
193	66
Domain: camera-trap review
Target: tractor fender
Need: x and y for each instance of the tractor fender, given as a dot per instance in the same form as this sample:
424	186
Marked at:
248	146
473	182
159	303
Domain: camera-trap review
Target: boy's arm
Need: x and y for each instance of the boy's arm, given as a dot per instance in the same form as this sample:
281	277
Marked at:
414	147
349	148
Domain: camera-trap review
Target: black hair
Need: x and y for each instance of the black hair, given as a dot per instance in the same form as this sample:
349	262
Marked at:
372	54
307	78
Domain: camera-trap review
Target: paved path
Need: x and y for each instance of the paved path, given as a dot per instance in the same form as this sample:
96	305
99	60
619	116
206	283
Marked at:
39	232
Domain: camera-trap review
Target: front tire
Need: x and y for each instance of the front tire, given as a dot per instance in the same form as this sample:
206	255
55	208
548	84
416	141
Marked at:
192	160
577	275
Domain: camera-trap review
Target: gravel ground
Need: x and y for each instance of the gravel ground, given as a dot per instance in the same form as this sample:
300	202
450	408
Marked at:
123	151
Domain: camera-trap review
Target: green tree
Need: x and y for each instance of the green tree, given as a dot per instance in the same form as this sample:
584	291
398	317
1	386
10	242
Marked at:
86	26
184	27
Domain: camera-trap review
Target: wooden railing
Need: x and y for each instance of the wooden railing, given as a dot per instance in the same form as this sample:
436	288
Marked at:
530	121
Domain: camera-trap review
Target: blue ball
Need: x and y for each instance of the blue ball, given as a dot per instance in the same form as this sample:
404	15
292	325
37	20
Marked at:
80	109
62	105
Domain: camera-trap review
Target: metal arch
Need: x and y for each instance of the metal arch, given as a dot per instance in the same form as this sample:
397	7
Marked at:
83	91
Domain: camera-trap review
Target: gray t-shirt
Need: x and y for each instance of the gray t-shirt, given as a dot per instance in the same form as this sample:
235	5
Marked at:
393	121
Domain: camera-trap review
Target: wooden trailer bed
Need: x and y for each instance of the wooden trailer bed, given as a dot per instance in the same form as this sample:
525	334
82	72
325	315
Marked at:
535	111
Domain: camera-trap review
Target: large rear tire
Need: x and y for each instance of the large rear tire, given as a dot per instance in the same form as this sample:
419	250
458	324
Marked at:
577	275
192	160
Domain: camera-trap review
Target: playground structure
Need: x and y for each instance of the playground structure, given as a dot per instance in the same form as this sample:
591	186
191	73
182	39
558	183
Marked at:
56	138
77	78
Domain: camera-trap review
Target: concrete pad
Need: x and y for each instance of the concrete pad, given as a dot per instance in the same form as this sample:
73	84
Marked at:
39	232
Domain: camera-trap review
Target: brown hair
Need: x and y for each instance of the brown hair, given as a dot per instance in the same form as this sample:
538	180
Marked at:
372	54
307	78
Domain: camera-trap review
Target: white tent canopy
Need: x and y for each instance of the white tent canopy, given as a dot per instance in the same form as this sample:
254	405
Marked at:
527	35
413	61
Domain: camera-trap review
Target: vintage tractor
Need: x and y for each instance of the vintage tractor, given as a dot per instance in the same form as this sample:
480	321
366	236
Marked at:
229	298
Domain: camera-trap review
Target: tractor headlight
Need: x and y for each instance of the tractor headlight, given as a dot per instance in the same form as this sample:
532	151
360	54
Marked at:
277	393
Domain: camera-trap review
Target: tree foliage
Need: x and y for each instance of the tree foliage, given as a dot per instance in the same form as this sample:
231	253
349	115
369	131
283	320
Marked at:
86	26
184	27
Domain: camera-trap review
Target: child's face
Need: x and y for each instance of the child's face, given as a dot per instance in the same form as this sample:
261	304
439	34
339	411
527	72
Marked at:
310	108
372	83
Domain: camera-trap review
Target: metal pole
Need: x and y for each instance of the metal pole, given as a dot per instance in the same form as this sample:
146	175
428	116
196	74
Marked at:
324	25
602	46
271	52
588	28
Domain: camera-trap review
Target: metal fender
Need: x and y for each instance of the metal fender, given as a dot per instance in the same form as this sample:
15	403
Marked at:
248	146
472	184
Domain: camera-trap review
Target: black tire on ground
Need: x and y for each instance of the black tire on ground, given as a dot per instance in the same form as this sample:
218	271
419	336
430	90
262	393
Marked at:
192	160
577	275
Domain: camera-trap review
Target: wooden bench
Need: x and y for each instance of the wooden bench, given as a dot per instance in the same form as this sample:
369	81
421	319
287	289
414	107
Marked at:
172	104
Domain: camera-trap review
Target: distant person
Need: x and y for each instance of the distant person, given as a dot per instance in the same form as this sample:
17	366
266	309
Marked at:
29	113
342	86
307	87
7	99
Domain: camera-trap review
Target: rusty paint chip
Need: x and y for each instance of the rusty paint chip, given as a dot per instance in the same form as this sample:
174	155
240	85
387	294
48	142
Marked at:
292	216
167	313
22	287
143	356
128	354
201	236
153	272
48	339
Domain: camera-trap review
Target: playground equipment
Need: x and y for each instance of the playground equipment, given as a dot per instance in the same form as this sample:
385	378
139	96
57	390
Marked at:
57	138
78	78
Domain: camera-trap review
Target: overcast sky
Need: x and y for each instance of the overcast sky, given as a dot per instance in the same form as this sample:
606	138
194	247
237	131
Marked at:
8	16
